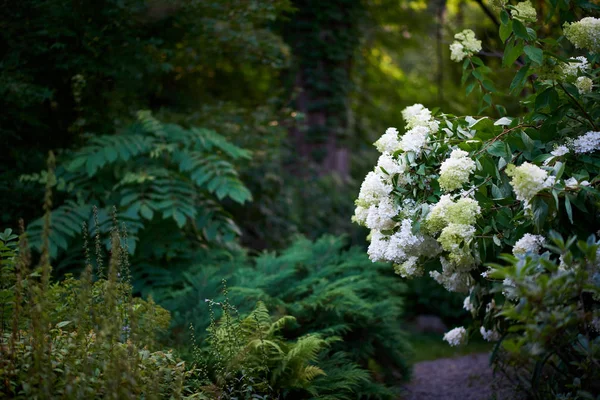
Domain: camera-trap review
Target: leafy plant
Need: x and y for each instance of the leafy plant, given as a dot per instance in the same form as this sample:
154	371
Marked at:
330	291
160	177
453	193
79	338
553	338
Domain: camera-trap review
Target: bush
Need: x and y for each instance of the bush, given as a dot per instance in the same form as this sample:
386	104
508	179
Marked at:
454	193
551	320
79	338
330	291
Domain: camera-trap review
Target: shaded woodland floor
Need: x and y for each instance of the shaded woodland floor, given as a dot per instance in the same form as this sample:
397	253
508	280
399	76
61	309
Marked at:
467	377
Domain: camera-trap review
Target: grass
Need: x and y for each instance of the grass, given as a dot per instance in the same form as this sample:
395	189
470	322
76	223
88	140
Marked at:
429	346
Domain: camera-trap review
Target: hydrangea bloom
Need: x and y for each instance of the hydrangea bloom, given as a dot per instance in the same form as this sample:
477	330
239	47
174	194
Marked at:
419	115
414	140
468	306
465	211
380	216
465	45
587	143
524	12
391	166
378	246
584	84
372	189
454	235
360	215
490	336
409	268
527	180
584	34
456	336
455	171
403	243
578	65
388	142
529	243
560	151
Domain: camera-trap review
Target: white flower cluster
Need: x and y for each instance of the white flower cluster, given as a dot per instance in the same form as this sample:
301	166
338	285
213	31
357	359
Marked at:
524	12
489	335
418	115
584	34
584	85
467	305
527	180
560	151
529	244
587	143
456	336
392	237
456	170
465	45
575	67
388	142
572	183
454	221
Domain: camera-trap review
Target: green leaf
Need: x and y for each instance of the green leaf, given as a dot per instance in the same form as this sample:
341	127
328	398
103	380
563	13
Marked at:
519	80
512	53
520	30
535	54
505	31
569	208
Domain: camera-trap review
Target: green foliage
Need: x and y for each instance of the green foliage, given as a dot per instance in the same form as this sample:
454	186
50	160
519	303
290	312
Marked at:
80	339
330	291
476	188
552	334
160	177
248	358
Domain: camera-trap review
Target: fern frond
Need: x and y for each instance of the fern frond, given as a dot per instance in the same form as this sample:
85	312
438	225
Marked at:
65	224
106	149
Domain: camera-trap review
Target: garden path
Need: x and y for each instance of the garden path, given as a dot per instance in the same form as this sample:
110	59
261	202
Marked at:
462	378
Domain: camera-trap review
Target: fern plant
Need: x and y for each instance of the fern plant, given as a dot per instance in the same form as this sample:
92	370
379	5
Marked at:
162	178
331	291
249	358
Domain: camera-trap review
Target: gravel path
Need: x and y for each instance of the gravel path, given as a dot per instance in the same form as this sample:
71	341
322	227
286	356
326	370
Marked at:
462	378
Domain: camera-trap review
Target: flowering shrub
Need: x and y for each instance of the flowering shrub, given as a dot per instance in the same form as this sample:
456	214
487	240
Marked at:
453	193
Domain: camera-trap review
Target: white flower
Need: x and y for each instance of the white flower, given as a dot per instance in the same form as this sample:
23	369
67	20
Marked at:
527	180
587	143
456	170
465	45
388	142
378	246
571	183
403	242
418	115
467	305
414	139
457	52
391	166
584	84
490	336
360	215
372	189
560	151
529	244
575	66
584	34
524	12
380	216
456	336
409	268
